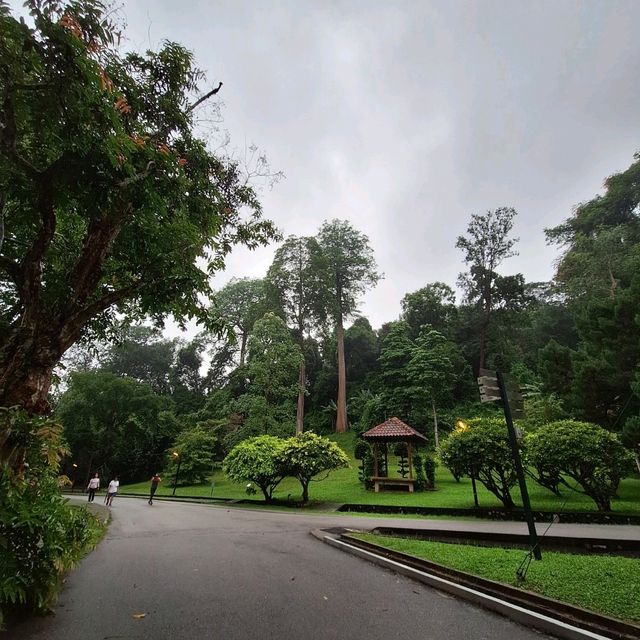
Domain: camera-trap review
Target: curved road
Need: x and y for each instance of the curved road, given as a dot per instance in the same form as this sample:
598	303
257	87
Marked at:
199	572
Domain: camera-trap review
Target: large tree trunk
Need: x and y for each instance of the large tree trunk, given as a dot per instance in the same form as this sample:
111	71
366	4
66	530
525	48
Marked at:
300	411
243	347
341	413
26	366
435	424
484	327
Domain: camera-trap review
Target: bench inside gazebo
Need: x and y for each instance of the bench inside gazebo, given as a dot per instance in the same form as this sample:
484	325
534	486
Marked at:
392	430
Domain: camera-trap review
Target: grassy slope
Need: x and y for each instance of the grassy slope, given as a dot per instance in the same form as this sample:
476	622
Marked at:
342	486
606	584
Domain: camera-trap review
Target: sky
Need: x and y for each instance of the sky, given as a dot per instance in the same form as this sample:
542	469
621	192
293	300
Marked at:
407	117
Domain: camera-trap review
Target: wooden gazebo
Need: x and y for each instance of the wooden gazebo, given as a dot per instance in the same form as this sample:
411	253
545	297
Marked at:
392	430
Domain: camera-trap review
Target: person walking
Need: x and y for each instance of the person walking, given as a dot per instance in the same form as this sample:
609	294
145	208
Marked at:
155	481
112	490
93	486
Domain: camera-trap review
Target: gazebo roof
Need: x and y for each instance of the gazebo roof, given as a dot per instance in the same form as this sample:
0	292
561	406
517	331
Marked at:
393	430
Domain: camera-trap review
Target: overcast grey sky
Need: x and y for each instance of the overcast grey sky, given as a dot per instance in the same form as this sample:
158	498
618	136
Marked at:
406	117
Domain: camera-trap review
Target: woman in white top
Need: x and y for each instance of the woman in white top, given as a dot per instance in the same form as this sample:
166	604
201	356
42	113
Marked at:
94	485
112	490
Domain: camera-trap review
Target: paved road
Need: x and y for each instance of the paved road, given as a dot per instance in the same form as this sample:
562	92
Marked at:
207	572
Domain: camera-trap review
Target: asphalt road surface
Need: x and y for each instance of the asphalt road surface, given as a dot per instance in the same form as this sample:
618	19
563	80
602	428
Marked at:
197	572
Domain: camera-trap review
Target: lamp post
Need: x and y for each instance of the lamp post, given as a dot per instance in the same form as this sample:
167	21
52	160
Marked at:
461	425
75	473
176	456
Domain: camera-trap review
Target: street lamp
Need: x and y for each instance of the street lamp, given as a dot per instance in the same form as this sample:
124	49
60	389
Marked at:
75	473
176	456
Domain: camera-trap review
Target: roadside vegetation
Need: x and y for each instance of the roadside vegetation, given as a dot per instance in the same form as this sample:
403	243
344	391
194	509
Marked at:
344	486
601	583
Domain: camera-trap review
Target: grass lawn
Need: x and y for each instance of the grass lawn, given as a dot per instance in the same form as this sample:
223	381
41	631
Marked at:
342	486
606	584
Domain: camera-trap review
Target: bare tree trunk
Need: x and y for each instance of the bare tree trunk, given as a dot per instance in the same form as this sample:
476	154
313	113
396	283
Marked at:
435	423
243	347
341	413
483	340
300	411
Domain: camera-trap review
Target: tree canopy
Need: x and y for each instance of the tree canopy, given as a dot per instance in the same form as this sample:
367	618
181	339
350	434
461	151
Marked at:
117	206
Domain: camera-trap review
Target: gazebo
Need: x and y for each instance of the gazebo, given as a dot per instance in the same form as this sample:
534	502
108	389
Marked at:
392	430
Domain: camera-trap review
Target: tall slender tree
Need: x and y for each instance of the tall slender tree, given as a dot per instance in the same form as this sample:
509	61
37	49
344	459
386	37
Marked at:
486	245
296	280
350	270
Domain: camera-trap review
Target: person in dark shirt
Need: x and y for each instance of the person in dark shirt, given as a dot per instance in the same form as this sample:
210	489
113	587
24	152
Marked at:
155	481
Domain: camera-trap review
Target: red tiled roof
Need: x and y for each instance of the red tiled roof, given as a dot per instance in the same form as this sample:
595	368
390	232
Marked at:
393	429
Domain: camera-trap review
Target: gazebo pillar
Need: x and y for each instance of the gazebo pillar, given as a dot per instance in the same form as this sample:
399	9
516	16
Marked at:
375	459
410	460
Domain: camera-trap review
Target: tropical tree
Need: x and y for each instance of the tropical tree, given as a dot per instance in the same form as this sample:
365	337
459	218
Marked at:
142	354
241	302
194	450
350	271
116	423
592	457
482	451
110	203
296	279
257	460
434	304
486	245
306	456
274	359
434	369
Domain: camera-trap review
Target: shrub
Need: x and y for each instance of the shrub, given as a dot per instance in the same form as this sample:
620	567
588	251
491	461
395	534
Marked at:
430	471
308	455
41	536
364	453
400	450
482	451
256	460
593	457
420	481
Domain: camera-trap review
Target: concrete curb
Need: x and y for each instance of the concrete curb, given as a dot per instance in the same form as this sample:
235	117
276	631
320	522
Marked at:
512	611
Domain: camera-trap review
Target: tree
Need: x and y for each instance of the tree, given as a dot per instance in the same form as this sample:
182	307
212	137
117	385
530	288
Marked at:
195	448
598	274
350	270
308	455
434	305
588	454
486	246
117	424
395	354
241	302
482	451
296	278
630	437
257	460
143	355
274	359
433	370
110	204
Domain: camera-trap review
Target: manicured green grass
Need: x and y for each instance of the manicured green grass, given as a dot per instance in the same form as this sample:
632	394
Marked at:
342	486
606	584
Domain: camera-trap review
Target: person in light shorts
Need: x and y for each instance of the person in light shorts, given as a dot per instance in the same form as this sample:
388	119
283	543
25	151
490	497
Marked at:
112	490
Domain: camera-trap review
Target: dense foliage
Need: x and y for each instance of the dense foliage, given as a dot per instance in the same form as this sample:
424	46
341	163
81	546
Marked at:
309	455
257	460
194	449
482	451
110	203
41	536
581	456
